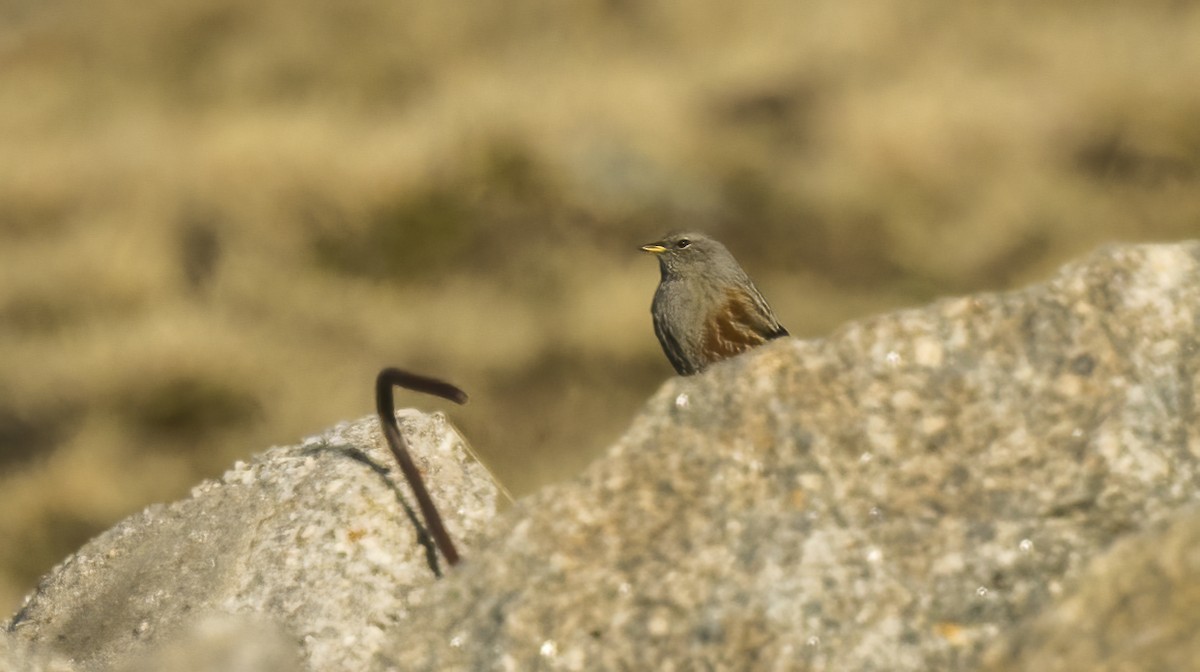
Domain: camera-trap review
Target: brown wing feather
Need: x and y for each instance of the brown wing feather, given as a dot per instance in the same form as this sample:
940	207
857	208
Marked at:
739	325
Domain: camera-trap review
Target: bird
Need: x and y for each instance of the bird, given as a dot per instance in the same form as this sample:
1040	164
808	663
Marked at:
706	309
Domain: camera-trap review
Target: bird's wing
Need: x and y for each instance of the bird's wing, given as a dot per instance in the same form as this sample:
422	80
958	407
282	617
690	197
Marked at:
744	321
763	317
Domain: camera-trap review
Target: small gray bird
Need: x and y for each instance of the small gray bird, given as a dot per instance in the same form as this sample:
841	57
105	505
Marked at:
706	308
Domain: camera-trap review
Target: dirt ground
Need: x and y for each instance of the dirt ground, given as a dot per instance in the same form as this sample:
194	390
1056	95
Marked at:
219	218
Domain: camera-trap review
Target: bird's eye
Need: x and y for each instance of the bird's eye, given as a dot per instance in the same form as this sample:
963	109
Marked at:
682	244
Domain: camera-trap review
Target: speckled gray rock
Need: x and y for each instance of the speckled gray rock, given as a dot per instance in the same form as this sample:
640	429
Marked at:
223	642
1133	610
18	656
913	491
312	541
892	498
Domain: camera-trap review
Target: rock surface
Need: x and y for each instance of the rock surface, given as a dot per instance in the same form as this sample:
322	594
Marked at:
18	656
1134	609
314	541
895	497
940	488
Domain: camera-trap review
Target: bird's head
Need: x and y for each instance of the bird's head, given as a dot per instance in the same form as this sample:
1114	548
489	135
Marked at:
689	253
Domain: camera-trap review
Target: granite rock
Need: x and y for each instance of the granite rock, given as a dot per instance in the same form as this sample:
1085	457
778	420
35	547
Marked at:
895	497
223	642
17	656
313	545
971	483
1133	610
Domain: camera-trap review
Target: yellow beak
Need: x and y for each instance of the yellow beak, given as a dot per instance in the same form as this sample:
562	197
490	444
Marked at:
654	248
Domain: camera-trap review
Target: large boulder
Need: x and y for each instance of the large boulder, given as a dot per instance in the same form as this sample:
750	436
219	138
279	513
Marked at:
313	545
895	497
933	489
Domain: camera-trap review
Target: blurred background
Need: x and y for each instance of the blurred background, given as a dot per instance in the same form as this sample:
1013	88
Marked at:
220	218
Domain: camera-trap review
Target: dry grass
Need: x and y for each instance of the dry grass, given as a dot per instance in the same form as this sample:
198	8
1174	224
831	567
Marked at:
219	219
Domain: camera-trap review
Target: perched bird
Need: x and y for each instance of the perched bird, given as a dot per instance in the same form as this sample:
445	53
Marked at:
706	309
